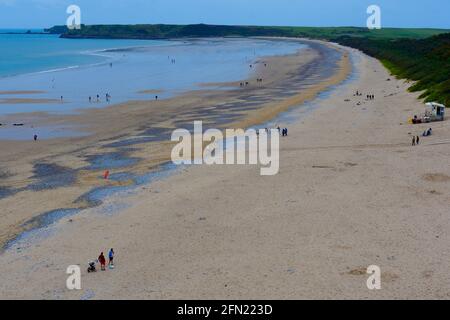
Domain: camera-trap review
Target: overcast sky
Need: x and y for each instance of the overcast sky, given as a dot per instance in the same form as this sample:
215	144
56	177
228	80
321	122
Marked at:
395	13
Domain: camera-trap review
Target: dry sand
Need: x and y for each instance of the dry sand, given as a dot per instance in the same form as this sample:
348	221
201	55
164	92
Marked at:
351	192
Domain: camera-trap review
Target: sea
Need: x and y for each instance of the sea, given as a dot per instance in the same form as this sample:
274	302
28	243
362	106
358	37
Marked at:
64	73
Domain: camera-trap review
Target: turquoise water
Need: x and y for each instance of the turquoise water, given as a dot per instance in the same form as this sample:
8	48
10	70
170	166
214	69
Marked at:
28	53
51	68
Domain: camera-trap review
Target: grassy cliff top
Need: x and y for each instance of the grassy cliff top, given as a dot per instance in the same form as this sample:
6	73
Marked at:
163	31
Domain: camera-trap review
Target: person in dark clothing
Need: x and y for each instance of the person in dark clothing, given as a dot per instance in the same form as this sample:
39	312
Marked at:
111	257
35	137
417	140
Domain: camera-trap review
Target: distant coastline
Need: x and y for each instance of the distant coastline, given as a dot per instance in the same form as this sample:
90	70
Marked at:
420	55
166	31
23	31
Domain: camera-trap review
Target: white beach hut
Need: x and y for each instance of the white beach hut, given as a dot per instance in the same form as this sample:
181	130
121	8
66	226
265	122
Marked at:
434	112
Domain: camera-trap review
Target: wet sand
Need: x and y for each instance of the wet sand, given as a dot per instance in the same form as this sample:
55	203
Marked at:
133	137
28	101
21	92
150	91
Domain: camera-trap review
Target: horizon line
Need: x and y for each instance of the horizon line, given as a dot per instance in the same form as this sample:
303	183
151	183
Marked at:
228	25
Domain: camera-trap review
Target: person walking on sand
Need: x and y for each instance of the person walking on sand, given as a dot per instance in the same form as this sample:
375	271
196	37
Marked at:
102	261
111	258
417	140
35	137
414	141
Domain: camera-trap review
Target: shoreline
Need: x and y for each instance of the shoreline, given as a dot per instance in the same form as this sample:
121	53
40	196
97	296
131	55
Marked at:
109	153
142	67
351	192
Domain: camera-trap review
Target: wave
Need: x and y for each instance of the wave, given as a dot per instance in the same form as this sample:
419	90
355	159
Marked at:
106	53
54	70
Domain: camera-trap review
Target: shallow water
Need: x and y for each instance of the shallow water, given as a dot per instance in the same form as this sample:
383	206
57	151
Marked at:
296	113
121	68
31	53
26	132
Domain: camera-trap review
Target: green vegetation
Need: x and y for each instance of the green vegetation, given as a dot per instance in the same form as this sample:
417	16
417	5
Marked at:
426	61
163	31
422	55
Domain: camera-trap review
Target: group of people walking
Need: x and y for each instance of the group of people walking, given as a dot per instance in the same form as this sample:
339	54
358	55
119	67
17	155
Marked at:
368	97
102	261
283	132
107	98
415	141
246	83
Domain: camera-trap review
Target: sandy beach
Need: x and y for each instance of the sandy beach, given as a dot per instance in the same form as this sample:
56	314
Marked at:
351	192
132	138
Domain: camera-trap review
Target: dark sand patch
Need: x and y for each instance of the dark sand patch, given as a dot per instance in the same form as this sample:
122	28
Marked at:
358	271
5	174
150	91
350	164
22	92
27	101
436	177
323	167
51	176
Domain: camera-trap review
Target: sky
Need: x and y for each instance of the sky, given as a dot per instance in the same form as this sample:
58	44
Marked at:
394	13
